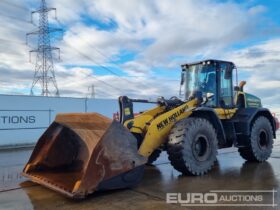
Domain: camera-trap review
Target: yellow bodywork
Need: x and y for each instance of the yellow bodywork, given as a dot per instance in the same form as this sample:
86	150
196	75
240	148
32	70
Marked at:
160	127
155	124
225	114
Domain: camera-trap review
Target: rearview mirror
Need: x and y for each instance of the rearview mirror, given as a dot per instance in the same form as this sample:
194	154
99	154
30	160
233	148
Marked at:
236	88
182	78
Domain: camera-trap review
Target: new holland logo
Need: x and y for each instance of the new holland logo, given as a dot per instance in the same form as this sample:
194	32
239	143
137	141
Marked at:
172	118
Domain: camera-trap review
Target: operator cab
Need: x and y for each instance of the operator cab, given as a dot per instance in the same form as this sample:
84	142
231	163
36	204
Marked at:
211	79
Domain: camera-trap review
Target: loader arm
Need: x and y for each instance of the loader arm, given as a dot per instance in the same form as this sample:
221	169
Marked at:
160	127
155	124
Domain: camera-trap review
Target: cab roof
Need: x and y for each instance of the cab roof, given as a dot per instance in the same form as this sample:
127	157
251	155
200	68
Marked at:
206	61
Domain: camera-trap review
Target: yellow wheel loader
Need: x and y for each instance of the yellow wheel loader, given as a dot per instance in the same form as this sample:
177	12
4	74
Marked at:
87	152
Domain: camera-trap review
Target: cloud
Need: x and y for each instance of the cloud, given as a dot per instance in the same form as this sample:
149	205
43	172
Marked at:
160	35
257	10
261	65
188	29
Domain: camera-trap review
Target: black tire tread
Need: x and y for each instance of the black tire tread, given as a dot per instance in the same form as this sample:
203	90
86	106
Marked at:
175	145
251	153
154	156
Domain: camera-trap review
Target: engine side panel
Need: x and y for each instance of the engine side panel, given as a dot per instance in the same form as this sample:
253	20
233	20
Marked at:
252	101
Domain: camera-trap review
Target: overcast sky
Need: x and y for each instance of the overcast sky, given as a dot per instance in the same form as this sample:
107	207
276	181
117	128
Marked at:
135	48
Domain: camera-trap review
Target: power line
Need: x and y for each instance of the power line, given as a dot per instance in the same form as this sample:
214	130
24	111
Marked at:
93	76
12	41
91	59
102	54
74	33
157	78
14	18
98	87
102	92
97	50
105	83
99	80
109	59
84	55
15	5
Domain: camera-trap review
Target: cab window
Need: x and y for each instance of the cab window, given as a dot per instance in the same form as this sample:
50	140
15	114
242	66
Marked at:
226	89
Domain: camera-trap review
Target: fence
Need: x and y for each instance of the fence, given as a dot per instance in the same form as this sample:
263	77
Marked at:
23	119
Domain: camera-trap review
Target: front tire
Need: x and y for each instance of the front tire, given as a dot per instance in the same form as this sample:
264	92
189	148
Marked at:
192	146
260	141
154	156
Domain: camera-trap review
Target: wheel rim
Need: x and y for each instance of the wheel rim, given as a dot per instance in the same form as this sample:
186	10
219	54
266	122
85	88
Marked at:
200	148
263	140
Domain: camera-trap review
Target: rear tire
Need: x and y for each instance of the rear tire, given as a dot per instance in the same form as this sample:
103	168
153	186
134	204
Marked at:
260	141
192	146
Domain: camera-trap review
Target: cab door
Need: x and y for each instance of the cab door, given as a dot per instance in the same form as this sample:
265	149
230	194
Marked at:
225	93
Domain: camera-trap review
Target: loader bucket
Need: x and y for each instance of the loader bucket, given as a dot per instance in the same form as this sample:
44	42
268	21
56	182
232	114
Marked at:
82	153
